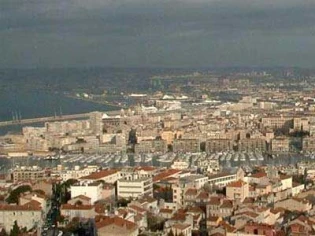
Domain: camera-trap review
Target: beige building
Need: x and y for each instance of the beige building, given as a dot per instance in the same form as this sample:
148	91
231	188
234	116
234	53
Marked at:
308	144
280	145
28	215
301	124
80	211
116	226
181	229
169	135
186	145
148	146
277	122
252	144
28	173
237	191
295	204
219	145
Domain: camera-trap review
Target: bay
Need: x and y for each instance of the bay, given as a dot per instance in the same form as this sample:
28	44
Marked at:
36	103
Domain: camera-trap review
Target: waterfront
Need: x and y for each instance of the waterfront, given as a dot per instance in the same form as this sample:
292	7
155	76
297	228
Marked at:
31	104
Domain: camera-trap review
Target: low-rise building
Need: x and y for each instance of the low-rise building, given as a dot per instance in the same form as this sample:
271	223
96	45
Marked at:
237	190
93	190
116	226
29	215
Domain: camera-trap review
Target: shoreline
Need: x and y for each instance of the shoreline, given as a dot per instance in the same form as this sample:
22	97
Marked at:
97	102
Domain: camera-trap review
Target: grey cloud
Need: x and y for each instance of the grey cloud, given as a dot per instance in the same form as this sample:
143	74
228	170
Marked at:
156	32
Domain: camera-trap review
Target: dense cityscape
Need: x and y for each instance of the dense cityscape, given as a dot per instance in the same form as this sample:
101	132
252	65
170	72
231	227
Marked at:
157	118
194	154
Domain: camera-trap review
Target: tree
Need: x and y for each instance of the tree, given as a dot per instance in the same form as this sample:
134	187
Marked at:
132	136
15	230
15	194
123	202
170	233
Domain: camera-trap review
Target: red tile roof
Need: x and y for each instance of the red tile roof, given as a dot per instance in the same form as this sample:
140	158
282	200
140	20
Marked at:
179	217
165	174
259	175
181	226
30	206
137	209
76	207
191	192
122	223
215	201
203	195
145	168
227	204
165	210
236	184
83	197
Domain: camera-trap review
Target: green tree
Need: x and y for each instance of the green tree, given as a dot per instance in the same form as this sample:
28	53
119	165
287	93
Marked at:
15	194
15	230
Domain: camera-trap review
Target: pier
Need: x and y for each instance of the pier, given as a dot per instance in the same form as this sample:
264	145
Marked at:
44	119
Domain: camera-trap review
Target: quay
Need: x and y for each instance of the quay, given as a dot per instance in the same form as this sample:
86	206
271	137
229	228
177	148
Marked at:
44	119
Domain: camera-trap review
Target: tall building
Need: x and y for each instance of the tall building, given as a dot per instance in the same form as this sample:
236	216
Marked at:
96	122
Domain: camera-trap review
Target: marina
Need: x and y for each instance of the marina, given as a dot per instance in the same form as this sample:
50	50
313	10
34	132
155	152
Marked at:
226	160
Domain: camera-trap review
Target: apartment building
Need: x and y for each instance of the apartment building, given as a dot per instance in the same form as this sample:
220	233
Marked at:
134	187
186	145
250	144
28	173
219	145
280	145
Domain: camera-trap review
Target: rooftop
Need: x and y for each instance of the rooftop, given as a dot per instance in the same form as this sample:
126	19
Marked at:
99	174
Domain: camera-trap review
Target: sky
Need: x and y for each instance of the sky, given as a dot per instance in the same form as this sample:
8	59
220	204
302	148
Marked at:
156	33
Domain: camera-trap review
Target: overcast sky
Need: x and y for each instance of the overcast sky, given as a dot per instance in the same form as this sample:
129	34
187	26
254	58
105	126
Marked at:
157	33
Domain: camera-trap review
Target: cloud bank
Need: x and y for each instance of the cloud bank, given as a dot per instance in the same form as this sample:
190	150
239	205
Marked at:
157	33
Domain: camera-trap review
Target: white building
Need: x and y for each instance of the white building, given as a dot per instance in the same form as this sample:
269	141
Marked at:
90	189
180	165
222	179
134	188
77	173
